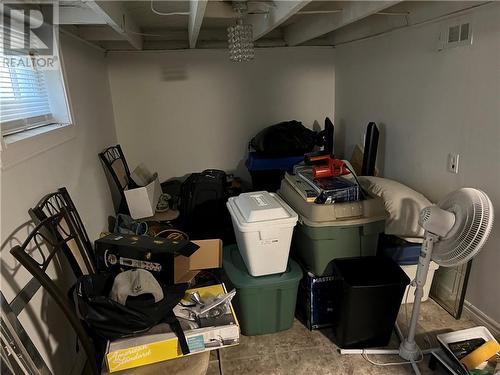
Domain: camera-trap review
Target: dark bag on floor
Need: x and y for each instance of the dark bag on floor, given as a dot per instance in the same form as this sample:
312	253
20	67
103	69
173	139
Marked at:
289	138
111	320
203	203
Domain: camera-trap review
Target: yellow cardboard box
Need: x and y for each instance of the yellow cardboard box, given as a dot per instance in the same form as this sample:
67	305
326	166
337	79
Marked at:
157	346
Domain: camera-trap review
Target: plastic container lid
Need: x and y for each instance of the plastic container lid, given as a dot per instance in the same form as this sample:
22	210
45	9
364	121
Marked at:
237	272
260	206
260	210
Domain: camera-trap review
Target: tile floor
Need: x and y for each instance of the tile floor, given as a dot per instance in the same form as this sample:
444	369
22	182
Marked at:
299	351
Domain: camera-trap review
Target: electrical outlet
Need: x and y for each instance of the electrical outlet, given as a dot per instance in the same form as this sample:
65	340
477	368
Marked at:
453	159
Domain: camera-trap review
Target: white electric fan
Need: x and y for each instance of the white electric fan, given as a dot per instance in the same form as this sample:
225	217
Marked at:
455	230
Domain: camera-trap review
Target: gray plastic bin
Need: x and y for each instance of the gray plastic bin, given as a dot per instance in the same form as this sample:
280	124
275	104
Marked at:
339	230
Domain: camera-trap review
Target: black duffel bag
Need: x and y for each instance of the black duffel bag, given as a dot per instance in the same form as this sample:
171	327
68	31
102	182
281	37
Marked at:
203	206
111	320
289	138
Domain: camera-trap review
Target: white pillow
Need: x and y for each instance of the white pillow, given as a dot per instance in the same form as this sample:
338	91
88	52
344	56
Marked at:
403	205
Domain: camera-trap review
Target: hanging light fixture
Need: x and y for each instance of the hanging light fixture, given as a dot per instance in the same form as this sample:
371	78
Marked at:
240	36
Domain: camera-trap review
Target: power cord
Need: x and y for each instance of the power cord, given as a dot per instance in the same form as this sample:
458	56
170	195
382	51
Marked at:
411	285
365	356
221	370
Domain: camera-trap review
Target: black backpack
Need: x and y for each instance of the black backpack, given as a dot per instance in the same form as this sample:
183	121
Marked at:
203	204
110	320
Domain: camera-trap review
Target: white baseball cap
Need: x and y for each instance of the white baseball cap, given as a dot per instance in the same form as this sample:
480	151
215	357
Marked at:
135	283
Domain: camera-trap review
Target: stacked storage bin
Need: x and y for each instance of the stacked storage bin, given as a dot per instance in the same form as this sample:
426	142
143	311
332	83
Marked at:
326	232
264	304
267	173
266	281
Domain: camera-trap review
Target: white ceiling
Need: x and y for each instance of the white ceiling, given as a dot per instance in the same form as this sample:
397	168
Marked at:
133	25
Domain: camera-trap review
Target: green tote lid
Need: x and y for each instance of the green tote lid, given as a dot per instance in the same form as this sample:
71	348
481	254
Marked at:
237	272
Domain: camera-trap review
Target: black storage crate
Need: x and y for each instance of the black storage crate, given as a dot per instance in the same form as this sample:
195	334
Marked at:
315	303
368	294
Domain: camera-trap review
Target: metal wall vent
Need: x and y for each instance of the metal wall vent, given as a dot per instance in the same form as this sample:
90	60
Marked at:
455	34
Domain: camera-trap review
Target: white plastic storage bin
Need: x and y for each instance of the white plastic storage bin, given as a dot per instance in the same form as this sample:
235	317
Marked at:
263	225
411	272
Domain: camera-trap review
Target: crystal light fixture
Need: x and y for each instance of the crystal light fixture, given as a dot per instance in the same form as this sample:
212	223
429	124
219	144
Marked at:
240	36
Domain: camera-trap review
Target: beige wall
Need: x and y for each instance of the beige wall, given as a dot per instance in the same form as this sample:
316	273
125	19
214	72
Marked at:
74	164
184	111
428	104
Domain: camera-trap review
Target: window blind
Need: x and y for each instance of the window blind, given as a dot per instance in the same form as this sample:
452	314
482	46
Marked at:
24	100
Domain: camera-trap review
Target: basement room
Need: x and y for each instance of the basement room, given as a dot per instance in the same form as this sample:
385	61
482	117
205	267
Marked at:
246	187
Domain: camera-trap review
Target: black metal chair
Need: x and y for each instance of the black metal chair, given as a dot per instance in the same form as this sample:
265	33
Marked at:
46	241
81	247
116	165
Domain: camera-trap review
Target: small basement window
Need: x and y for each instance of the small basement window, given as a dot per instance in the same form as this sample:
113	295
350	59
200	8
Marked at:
31	95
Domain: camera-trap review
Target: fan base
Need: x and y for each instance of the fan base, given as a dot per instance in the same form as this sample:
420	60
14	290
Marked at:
409	351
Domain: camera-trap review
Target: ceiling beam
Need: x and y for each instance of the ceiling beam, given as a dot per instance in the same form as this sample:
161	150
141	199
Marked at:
310	27
79	15
283	10
219	9
377	25
99	33
196	13
118	18
165	34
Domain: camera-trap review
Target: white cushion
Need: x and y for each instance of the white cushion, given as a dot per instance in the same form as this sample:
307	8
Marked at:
403	205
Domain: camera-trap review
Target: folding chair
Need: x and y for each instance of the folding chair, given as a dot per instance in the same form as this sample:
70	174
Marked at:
116	165
45	242
81	247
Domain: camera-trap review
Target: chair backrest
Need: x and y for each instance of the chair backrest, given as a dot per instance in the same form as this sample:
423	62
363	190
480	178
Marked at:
18	353
81	246
116	165
48	239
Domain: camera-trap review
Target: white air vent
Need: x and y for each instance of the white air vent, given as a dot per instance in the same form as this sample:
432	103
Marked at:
454	34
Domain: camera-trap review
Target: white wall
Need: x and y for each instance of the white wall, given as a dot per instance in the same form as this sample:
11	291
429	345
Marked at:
73	164
184	111
430	103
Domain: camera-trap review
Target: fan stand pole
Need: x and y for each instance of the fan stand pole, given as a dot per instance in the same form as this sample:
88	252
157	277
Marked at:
408	349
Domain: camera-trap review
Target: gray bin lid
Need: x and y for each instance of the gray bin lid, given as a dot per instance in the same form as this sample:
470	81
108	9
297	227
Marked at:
237	272
338	214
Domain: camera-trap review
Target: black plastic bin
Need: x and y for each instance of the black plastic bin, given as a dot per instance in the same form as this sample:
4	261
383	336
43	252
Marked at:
368	293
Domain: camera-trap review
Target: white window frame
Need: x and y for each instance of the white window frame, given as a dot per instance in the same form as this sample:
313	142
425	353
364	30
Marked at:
17	147
58	102
20	125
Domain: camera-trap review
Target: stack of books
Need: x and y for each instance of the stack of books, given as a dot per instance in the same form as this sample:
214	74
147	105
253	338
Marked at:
324	190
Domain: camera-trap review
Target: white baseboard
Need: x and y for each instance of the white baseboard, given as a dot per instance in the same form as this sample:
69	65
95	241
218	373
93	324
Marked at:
481	318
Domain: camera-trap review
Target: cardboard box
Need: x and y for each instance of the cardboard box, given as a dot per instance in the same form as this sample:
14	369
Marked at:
156	347
170	261
209	255
142	201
